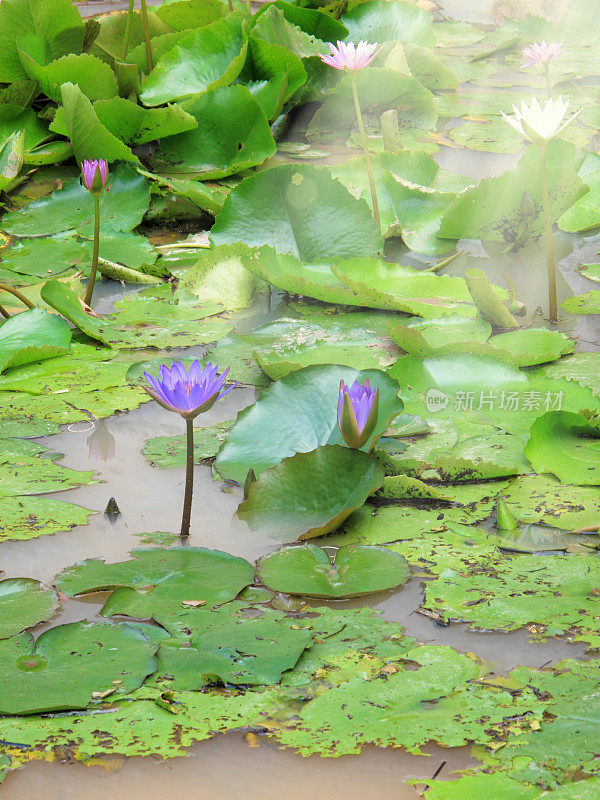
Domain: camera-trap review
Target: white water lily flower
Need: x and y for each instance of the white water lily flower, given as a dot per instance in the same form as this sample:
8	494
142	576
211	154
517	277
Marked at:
540	125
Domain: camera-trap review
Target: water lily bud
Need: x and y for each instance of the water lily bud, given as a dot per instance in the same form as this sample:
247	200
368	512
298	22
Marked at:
95	174
358	410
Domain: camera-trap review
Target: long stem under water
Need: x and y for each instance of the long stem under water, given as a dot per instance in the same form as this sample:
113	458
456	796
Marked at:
19	295
548	84
94	269
147	35
127	35
189	481
550	257
365	145
4	312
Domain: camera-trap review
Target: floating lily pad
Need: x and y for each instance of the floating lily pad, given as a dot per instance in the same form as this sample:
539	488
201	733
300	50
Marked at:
310	494
211	151
166	452
566	445
70	664
33	335
158	583
300	210
297	414
355	571
233	649
23	603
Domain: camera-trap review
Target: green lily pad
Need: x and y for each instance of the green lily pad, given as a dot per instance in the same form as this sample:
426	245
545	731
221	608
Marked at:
232	649
121	207
159	583
389	21
399	288
44	258
166	452
296	414
71	663
219	276
56	22
34	335
309	494
29	517
377	89
214	151
566	445
543	499
23	603
204	59
355	571
297	209
508	208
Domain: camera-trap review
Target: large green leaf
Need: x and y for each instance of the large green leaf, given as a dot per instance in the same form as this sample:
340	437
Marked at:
180	579
508	208
136	125
57	22
27	517
219	276
70	663
89	137
231	648
566	445
95	79
309	494
584	214
209	57
299	210
121	207
398	288
33	335
49	256
214	150
185	14
296	415
378	90
380	21
355	571
23	603
272	74
12	151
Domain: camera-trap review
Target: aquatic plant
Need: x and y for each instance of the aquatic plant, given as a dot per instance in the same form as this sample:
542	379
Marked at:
539	126
95	174
358	409
188	393
350	58
542	53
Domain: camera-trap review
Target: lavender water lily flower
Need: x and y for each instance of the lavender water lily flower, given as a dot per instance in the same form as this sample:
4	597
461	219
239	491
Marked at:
189	393
95	174
358	410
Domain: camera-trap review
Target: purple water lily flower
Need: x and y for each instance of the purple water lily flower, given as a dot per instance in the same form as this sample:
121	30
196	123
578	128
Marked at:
358	410
189	393
95	174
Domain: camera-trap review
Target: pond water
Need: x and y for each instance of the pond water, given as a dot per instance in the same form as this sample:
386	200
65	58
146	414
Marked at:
233	765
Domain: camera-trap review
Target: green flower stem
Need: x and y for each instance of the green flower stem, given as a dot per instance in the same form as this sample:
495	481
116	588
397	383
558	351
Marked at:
127	35
230	6
365	145
4	312
25	300
147	35
550	257
189	481
249	7
94	269
548	84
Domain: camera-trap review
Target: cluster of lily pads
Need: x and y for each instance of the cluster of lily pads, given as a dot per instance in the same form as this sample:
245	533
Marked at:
412	416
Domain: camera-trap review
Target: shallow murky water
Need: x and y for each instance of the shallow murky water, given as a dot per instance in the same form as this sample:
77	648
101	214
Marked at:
150	500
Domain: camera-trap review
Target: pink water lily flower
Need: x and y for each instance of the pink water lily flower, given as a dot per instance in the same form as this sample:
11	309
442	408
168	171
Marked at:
351	57
541	53
95	174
